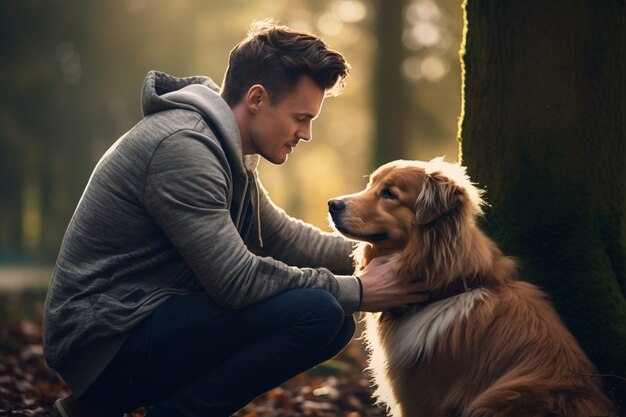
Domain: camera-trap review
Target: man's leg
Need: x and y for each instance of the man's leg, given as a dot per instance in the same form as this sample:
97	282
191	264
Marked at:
193	358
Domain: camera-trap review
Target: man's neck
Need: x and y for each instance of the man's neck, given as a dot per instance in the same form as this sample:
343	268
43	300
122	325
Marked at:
241	117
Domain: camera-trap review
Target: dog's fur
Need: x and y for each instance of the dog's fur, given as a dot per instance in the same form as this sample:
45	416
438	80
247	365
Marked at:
499	350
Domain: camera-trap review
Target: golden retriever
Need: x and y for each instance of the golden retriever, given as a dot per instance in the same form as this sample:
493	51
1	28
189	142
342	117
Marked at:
487	344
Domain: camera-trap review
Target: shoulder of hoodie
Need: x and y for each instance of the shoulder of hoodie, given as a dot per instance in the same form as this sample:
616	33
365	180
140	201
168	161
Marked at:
168	123
186	137
181	125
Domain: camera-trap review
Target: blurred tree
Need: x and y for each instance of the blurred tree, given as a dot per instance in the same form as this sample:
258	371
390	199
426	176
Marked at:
416	77
543	130
390	87
70	87
30	159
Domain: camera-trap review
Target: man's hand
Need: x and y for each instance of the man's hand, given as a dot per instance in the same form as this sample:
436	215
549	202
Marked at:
383	290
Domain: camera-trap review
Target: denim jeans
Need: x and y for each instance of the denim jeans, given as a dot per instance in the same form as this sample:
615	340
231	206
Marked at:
191	357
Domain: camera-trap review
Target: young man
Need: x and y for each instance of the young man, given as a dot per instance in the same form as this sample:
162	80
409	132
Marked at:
179	285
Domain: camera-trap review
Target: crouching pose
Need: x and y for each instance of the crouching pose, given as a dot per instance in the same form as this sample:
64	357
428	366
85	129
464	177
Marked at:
179	284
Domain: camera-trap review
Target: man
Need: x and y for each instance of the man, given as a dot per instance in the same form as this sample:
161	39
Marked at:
173	286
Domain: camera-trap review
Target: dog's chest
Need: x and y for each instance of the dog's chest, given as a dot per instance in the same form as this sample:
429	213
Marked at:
412	338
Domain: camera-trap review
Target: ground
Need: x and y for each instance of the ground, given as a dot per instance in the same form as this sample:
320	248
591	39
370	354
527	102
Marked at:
29	388
337	388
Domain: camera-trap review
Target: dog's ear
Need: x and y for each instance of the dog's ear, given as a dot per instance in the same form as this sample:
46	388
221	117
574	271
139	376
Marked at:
438	196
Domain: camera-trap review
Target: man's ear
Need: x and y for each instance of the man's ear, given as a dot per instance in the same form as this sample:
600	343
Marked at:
255	96
438	196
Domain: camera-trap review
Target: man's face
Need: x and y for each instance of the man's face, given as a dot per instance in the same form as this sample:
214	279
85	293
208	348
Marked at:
277	128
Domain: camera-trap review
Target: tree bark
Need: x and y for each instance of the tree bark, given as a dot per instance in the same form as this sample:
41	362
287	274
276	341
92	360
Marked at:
543	129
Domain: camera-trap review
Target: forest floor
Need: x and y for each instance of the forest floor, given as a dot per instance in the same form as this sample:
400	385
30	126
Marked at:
337	388
29	388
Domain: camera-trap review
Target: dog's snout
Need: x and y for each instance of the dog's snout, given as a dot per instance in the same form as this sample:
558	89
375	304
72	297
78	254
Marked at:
336	206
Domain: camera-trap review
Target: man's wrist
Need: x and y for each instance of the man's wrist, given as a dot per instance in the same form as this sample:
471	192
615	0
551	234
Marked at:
358	279
348	293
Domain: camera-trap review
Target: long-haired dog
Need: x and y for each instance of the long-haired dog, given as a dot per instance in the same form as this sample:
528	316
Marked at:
486	344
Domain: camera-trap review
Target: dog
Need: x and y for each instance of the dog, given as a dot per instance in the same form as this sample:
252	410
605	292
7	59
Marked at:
486	344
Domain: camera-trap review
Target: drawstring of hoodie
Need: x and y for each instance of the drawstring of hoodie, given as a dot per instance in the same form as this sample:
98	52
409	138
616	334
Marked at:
255	199
258	214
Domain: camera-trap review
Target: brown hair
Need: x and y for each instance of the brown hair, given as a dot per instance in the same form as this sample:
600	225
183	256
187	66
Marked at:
276	57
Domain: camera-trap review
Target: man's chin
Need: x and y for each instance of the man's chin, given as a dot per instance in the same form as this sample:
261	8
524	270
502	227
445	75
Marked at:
276	159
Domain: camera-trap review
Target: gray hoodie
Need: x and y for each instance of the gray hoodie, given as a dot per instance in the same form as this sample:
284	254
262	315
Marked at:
173	208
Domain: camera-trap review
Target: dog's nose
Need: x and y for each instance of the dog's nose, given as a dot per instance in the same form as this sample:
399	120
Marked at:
336	206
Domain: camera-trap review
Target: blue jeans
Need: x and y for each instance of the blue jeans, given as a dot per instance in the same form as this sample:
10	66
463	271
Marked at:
193	358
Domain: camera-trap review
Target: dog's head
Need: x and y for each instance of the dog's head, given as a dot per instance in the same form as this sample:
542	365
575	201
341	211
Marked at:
405	206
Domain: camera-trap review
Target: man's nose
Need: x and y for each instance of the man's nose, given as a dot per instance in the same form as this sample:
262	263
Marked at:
305	134
336	206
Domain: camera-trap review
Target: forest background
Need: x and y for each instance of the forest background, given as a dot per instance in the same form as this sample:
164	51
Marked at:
543	130
70	76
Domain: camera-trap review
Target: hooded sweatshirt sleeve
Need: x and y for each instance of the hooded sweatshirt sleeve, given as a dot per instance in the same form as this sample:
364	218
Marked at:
187	192
297	243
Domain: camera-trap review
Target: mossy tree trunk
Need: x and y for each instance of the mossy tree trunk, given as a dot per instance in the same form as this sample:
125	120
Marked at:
544	131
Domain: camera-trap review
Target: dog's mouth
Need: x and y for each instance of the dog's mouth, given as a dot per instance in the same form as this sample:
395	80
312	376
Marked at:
368	237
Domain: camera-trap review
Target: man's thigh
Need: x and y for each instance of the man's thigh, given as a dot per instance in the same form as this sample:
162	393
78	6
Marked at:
189	335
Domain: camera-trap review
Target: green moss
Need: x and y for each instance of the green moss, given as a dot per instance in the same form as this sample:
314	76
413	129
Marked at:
577	258
552	157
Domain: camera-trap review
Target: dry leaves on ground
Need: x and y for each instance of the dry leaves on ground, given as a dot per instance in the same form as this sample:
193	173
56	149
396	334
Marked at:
336	388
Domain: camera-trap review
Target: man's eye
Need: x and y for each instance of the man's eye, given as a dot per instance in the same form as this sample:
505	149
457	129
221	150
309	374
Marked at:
386	193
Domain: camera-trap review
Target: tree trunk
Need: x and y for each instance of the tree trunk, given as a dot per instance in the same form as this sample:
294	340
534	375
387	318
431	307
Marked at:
544	131
390	87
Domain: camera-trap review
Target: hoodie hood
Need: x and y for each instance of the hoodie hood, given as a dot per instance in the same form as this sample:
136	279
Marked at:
161	92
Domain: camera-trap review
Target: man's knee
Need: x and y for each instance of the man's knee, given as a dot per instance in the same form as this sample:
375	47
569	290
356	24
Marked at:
321	303
320	311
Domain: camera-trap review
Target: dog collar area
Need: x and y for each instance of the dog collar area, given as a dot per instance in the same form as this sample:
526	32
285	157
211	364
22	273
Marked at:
458	286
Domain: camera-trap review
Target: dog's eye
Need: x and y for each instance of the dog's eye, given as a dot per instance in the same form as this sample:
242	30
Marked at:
387	194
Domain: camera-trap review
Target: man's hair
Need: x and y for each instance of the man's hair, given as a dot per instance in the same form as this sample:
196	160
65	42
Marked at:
276	57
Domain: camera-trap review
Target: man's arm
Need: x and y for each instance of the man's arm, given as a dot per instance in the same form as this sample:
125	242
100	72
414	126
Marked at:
186	193
298	243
